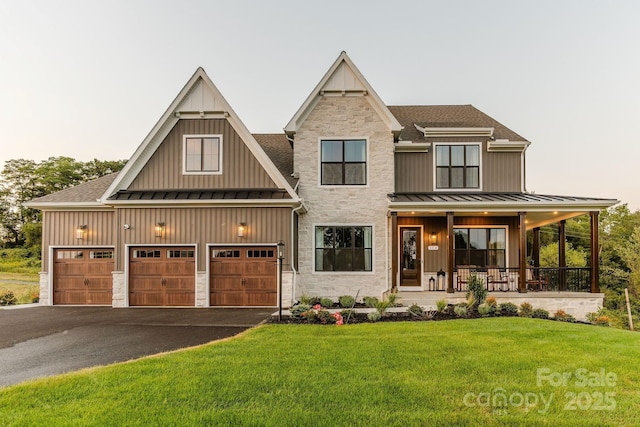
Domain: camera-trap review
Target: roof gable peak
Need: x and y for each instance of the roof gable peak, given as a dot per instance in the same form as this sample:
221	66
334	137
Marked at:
342	79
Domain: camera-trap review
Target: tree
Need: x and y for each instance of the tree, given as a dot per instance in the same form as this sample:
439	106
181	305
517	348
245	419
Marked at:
575	257
22	180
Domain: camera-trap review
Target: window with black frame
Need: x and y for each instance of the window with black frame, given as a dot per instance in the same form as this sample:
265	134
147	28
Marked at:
343	162
343	248
481	247
457	166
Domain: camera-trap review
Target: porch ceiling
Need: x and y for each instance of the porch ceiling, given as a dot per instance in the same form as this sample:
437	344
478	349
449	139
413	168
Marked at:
540	209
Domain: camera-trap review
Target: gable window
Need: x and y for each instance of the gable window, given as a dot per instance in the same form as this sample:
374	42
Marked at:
202	154
343	248
343	162
481	247
458	166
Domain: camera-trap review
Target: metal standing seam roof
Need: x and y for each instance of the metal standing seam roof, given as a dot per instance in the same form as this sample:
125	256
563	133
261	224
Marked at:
489	198
237	194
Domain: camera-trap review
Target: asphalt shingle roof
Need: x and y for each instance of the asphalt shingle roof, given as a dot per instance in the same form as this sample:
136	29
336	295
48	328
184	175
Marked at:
82	193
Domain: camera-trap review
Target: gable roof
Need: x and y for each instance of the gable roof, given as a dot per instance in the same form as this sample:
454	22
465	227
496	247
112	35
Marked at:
343	78
199	98
447	116
84	195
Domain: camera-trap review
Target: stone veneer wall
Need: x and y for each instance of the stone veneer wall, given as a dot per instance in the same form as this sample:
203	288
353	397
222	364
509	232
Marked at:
344	117
119	293
45	298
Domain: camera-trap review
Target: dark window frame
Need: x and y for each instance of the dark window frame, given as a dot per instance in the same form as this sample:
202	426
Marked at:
470	255
329	255
450	168
343	163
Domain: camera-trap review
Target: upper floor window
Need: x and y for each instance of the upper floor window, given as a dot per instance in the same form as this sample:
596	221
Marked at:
343	162
458	166
202	154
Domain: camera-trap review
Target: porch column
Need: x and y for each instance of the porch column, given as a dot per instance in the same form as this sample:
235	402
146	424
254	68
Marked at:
450	254
394	251
522	258
535	251
562	257
595	253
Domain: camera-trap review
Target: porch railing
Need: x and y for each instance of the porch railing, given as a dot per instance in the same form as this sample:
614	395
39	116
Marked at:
545	279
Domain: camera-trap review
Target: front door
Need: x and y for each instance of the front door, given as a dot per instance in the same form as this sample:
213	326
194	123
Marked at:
410	257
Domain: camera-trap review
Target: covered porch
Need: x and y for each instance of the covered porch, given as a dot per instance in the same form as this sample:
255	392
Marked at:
439	240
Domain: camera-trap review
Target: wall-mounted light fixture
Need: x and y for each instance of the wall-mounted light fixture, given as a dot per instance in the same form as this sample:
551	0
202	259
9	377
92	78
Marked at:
159	229
433	238
242	228
81	230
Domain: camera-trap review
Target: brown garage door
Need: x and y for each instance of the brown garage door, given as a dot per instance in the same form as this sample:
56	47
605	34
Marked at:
82	276
243	276
162	276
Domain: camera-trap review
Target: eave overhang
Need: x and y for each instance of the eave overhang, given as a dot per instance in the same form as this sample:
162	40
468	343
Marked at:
451	132
505	145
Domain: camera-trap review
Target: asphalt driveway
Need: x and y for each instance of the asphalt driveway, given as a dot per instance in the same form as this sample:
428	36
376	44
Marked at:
43	341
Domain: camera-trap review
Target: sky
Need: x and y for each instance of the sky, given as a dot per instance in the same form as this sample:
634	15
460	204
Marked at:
89	79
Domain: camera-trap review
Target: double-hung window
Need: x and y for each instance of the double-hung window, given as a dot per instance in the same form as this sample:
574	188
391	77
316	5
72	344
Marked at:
481	247
343	248
343	162
458	166
202	154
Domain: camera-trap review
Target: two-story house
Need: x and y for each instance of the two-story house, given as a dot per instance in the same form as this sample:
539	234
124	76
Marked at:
367	198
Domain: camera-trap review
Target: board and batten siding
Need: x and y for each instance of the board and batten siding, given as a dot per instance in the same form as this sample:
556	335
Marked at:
501	172
203	226
59	229
240	168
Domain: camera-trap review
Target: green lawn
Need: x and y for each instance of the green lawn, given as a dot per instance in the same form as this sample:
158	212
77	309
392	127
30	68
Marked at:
415	373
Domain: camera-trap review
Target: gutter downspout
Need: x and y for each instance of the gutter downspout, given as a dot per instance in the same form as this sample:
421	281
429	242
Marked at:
294	211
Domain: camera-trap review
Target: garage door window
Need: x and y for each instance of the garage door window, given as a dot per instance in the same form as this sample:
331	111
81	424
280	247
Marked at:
259	253
225	254
70	254
100	254
179	254
146	254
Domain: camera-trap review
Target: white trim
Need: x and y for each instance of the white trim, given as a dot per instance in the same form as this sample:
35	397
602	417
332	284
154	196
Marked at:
505	227
439	132
523	187
421	270
316	94
411	147
340	138
504	145
348	273
484	206
240	245
52	249
184	154
435	168
127	246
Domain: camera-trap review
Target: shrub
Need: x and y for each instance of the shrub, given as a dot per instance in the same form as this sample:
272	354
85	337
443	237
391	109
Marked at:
540	313
348	315
563	316
382	306
602	321
310	315
484	309
297	310
393	299
508	309
326	302
460	310
374	316
416	310
491	301
441	305
325	317
346	301
8	298
526	309
475	287
370	301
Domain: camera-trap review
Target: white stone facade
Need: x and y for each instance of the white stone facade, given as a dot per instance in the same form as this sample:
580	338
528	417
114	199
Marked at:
45	298
119	290
344	117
